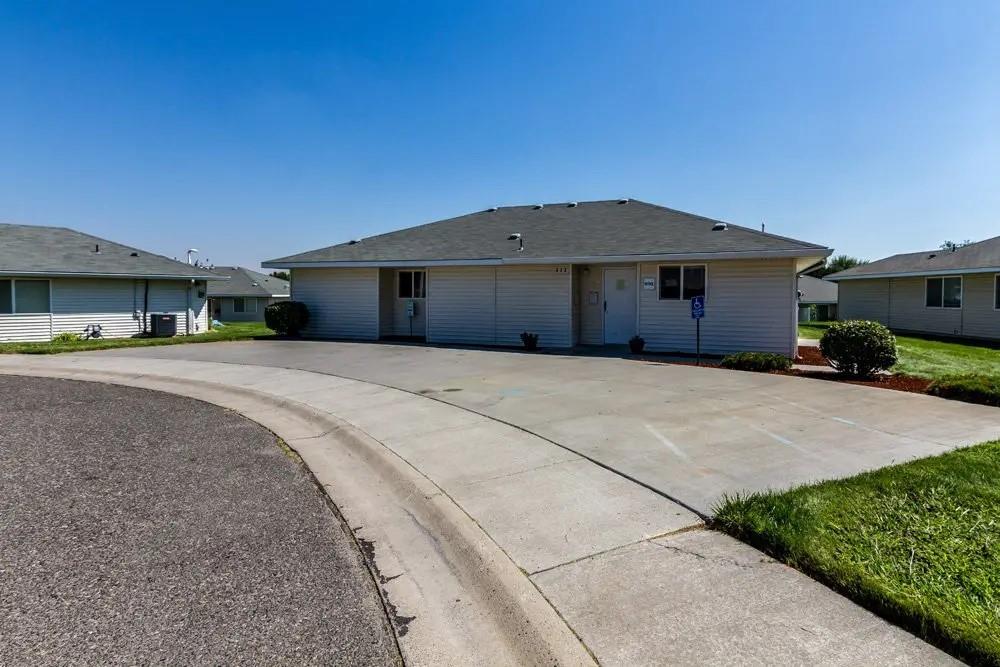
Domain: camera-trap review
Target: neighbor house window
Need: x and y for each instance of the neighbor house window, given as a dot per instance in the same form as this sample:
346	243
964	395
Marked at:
944	292
412	285
996	293
239	304
6	297
682	282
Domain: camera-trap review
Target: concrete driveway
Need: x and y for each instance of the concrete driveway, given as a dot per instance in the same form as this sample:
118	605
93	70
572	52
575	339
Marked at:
690	433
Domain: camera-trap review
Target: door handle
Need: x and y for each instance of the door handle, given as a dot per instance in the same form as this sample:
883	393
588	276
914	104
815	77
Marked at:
605	306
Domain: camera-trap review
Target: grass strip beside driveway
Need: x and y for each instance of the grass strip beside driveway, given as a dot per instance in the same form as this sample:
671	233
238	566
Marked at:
231	331
930	359
918	543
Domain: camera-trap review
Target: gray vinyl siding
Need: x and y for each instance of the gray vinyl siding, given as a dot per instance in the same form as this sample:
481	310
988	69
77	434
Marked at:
462	305
864	300
908	310
981	319
900	304
25	328
342	303
114	304
749	306
537	299
493	306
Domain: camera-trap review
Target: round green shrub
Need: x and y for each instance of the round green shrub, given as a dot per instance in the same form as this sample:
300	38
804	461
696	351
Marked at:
287	318
762	362
859	347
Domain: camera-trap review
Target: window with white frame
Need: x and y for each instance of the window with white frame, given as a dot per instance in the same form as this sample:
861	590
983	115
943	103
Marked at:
682	282
944	292
411	285
24	296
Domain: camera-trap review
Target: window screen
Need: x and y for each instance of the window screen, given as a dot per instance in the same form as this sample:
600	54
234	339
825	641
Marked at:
412	285
934	293
952	292
694	281
239	304
5	302
31	296
670	282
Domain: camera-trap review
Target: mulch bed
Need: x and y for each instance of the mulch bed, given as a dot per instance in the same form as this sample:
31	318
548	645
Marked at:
897	382
810	356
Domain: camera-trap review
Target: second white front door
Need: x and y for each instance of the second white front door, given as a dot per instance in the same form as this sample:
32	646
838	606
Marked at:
619	305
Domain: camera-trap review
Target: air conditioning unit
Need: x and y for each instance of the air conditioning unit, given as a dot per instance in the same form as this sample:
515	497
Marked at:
162	325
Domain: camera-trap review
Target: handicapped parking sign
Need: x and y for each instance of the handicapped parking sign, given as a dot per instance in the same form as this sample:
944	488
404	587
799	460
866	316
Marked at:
697	307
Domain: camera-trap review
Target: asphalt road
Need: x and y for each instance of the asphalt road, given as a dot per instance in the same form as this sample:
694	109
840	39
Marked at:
140	527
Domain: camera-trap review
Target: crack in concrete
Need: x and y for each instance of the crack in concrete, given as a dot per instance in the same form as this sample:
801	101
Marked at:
764	560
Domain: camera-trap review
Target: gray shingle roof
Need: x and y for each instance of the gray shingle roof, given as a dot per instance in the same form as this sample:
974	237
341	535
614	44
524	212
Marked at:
815	290
52	251
982	256
589	229
244	282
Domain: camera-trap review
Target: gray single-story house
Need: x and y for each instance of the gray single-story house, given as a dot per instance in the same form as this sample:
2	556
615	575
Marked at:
55	280
245	295
817	299
592	273
941	292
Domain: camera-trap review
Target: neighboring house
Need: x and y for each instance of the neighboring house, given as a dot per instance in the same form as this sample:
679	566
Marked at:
943	292
55	280
592	273
817	299
244	296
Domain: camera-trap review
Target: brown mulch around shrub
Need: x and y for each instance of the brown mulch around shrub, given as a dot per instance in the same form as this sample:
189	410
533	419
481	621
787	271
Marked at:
810	356
897	382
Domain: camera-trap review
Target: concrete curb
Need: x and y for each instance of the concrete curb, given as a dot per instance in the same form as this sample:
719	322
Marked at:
469	602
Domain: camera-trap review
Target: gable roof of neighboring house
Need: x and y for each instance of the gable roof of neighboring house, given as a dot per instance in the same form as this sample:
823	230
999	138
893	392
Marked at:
33	250
981	257
611	230
815	290
244	282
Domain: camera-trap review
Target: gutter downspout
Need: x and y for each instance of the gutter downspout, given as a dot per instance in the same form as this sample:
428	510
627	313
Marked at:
145	308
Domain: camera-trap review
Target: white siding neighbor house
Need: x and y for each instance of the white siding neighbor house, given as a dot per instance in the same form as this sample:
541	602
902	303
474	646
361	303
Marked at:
950	293
244	295
593	273
55	280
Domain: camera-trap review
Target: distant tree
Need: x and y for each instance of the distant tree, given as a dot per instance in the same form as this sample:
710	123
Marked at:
280	275
838	263
955	245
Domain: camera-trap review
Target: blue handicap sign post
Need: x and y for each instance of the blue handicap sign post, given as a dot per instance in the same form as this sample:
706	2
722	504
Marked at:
697	312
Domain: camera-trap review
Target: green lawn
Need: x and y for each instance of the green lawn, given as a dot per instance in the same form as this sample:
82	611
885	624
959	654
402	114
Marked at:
930	359
919	543
232	331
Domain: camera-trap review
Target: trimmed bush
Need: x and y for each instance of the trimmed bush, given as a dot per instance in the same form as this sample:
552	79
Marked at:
636	344
982	389
859	347
761	362
530	340
287	318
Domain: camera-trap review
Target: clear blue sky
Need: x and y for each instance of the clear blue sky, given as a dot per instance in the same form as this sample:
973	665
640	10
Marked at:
871	127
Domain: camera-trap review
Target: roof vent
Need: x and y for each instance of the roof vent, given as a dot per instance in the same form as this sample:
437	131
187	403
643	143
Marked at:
572	204
492	209
97	248
720	227
624	200
354	242
932	255
133	254
538	206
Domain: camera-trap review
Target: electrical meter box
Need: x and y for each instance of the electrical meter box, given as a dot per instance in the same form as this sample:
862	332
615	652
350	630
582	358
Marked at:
411	308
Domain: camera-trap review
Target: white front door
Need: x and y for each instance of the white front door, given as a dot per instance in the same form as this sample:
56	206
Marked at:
619	305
